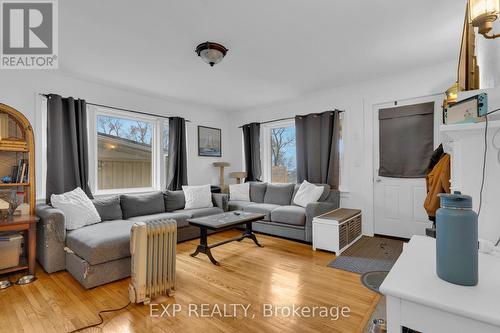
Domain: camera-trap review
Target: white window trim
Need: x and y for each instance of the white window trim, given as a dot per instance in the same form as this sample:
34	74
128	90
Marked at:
158	180
41	149
265	148
343	188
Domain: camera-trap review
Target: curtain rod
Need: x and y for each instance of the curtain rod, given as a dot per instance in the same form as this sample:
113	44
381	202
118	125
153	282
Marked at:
121	109
289	118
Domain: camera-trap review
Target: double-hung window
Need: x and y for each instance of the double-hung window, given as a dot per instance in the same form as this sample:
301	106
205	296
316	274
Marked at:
128	152
279	160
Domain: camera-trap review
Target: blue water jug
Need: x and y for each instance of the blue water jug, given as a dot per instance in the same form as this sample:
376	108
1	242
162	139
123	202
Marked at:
457	240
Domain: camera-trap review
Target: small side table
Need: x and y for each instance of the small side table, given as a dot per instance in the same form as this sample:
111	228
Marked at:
336	230
26	224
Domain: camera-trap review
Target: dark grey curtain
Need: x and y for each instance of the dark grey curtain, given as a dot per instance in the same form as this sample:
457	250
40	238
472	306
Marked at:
67	145
251	142
317	144
177	159
406	139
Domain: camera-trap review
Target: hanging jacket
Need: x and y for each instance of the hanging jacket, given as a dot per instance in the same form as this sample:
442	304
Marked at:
438	181
436	156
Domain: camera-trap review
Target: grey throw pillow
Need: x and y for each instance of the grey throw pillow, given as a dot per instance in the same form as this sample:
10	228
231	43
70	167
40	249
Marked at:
279	194
142	204
174	200
257	191
109	208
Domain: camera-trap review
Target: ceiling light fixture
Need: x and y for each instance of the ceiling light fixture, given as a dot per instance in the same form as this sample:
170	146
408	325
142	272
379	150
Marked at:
211	53
482	14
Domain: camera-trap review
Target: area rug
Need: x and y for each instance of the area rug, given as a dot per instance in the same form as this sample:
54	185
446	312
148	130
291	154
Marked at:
373	280
369	254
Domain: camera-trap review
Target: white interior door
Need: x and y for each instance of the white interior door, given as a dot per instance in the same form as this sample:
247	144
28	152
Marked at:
398	202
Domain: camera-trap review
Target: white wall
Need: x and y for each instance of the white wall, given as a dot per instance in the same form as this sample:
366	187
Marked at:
20	89
465	143
489	63
488	59
357	100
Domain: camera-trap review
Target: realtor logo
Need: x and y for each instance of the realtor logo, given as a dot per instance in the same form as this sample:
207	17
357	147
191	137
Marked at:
29	34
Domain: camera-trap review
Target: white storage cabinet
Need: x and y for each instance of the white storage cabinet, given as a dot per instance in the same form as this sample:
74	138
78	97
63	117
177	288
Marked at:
336	230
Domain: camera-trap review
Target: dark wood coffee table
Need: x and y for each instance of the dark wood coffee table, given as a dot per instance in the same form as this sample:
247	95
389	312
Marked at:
221	222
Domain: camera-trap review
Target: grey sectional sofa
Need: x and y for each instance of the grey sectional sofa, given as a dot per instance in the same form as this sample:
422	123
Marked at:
283	218
100	253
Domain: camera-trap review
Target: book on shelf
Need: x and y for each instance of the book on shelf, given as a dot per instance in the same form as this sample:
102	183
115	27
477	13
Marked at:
20	172
26	177
13	175
23	170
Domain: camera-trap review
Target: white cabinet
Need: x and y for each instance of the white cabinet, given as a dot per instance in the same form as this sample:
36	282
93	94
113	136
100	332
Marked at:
418	299
336	230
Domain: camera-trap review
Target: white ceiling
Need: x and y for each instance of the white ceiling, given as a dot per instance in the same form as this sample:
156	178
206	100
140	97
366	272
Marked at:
278	49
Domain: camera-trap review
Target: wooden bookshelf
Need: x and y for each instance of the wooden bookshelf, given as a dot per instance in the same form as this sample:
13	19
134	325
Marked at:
17	148
14	184
23	264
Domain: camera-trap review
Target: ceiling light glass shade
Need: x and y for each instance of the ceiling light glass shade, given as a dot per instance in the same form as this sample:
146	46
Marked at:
211	57
211	53
483	13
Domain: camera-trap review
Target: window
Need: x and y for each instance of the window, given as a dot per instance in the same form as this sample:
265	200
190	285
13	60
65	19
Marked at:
283	155
124	153
127	152
280	163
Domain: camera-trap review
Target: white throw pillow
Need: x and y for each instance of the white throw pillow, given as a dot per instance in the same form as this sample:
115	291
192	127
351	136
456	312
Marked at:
197	196
240	192
307	193
78	210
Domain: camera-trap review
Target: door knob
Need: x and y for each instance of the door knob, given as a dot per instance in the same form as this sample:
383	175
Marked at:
378	180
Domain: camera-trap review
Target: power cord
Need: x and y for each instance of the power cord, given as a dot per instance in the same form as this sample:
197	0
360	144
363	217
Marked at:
101	318
484	166
495	146
484	162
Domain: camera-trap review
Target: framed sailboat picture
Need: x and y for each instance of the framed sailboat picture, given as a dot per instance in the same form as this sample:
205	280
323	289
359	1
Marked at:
209	141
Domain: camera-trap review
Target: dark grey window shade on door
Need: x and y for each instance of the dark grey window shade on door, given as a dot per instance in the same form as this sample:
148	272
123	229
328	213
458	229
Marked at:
406	140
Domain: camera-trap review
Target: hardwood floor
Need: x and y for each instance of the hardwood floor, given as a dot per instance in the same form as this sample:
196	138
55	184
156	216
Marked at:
281	273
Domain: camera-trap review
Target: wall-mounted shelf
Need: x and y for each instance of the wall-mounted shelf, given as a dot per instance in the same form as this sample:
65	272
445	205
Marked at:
464	128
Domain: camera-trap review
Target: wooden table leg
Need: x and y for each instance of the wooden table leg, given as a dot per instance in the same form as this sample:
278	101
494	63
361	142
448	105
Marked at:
32	248
249	234
203	247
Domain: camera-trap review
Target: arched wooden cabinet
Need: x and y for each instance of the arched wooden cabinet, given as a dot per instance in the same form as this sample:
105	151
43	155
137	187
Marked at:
17	173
